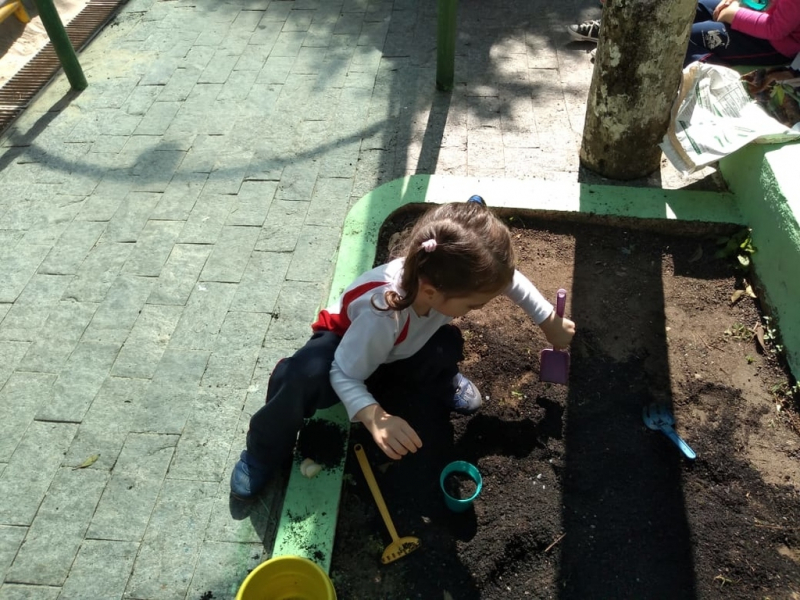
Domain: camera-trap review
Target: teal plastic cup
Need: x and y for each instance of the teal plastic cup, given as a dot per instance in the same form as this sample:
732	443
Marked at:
460	467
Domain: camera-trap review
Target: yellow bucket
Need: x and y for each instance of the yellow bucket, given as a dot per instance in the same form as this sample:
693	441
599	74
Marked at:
287	578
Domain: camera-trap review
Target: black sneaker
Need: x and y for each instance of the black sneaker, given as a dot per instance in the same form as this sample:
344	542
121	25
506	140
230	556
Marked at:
249	477
467	398
588	31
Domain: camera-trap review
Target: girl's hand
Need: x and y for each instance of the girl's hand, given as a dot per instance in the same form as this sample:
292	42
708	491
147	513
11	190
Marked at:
392	434
558	330
726	11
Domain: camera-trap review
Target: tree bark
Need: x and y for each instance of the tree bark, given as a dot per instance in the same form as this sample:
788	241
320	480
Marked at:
636	78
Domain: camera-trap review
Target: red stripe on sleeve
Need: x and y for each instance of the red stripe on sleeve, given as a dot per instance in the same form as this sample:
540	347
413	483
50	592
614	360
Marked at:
403	333
339	322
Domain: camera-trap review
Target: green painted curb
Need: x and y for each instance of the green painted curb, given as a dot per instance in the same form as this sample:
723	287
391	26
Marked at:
310	509
764	179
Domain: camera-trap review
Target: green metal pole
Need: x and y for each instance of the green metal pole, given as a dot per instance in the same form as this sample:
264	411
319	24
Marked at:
446	44
61	43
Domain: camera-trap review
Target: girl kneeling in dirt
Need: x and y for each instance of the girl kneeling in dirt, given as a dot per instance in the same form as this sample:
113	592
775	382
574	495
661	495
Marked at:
392	325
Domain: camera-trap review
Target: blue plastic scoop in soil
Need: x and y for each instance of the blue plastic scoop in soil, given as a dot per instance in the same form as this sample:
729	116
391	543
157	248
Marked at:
659	418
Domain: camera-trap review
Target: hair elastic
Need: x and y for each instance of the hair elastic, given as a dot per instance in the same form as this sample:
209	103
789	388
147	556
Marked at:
429	245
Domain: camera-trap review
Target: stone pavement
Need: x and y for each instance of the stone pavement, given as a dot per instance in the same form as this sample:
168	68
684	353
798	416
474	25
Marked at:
168	234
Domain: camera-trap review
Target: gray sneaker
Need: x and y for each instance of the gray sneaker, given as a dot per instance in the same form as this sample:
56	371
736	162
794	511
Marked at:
467	398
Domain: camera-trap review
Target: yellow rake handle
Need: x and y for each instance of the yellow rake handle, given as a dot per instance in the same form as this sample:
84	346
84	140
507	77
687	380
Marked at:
376	492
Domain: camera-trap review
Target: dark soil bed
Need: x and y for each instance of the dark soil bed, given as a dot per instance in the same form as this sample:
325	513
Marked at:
580	500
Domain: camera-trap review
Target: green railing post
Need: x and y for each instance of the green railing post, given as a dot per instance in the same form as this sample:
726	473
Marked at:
446	44
61	43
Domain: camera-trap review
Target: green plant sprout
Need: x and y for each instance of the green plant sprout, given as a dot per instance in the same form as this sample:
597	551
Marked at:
772	336
739	244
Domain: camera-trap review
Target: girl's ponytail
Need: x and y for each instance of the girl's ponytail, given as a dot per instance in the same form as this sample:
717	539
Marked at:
459	248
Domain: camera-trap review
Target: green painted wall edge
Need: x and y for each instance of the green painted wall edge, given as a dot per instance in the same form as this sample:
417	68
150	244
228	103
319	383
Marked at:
310	508
764	180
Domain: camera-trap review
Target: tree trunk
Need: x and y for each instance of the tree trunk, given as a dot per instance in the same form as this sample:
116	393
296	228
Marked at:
636	78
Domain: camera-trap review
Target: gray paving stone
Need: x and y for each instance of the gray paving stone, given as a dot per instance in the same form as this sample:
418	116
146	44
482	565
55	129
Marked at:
10	541
101	570
157	117
116	315
178	199
73	246
329	202
203	316
12	591
60	334
180	85
282	227
276	69
78	383
230	255
205	444
340	160
98	272
166	562
255	55
252	203
218	69
155	170
233	360
222	526
265	166
31	469
108	421
261	282
222	567
112	144
17	267
105	199
203	154
315	254
206	220
129	220
228	172
139	101
180	274
160	71
153	248
20	399
24	321
53	222
43	290
10	355
240	82
166	408
56	533
297	307
147	342
124	510
277	11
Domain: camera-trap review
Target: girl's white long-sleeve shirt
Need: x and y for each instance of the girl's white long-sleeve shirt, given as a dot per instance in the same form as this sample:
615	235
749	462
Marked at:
372	337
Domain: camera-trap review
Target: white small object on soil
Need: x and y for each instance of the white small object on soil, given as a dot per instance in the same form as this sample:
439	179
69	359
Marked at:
309	468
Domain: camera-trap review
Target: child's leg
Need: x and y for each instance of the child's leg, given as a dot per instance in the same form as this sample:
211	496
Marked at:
298	387
433	367
705	10
716	42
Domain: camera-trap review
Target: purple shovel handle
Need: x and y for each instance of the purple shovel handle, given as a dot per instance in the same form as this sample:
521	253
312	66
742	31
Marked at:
561	301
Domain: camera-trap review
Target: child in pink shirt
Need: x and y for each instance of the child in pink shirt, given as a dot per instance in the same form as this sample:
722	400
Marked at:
726	32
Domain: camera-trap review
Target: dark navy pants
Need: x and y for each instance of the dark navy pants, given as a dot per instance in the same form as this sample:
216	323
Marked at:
300	385
716	43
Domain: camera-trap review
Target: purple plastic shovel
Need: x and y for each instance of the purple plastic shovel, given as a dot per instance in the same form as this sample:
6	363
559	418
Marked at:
554	364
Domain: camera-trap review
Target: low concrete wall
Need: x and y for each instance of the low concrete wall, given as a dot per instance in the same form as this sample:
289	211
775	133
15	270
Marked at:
765	180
